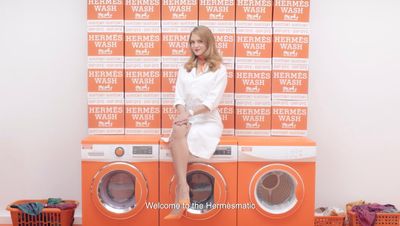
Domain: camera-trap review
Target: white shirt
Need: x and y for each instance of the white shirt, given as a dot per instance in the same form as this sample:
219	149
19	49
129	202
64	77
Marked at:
207	89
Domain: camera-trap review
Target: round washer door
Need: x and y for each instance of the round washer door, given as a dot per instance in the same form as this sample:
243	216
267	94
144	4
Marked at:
207	191
277	190
119	190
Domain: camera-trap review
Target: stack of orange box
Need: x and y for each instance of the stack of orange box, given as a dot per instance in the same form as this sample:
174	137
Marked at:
253	67
105	68
225	43
178	19
142	67
290	67
134	52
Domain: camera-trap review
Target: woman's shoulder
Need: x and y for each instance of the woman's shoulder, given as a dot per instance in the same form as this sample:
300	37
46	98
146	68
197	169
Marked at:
221	68
182	69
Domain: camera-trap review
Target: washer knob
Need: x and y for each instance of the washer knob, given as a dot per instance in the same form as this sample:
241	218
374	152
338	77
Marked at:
119	151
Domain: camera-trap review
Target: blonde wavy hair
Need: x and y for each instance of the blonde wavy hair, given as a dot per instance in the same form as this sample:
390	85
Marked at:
211	55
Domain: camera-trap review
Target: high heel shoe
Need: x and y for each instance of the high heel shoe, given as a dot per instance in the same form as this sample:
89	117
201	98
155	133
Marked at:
177	214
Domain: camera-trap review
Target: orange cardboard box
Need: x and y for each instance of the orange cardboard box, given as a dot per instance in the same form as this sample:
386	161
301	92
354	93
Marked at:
253	45
225	42
290	46
254	13
290	81
106	80
106	116
175	44
105	13
217	13
291	13
253	81
142	80
167	116
169	74
143	13
143	44
106	44
142	116
289	118
227	112
253	117
179	13
230	86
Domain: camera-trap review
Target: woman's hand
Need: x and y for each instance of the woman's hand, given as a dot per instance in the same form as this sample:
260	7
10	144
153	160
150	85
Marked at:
182	118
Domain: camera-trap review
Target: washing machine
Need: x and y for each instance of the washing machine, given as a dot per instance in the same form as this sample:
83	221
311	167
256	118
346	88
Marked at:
277	175
119	179
213	187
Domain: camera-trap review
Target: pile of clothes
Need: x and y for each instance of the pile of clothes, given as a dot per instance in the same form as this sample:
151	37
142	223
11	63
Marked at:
35	208
366	212
329	211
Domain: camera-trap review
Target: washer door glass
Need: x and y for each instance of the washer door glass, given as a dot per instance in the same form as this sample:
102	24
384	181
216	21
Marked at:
201	191
275	192
117	191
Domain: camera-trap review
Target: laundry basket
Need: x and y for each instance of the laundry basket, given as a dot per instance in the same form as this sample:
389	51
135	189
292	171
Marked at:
382	219
48	216
328	220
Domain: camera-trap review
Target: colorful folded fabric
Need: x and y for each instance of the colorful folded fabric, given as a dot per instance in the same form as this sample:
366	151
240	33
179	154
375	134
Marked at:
32	208
54	201
63	206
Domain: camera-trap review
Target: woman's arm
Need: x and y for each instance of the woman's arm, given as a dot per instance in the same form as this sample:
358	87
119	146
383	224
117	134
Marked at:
180	108
200	109
217	89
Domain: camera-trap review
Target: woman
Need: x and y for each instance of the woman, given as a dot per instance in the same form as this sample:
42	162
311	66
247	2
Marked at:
198	126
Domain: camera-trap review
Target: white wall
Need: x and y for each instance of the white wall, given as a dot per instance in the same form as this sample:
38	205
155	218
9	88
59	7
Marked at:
354	103
354	99
42	99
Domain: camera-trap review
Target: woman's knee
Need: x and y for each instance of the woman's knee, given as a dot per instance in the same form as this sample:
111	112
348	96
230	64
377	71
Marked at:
179	132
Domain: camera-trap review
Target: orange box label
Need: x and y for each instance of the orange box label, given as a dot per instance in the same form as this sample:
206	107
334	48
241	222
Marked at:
105	80
253	45
142	116
230	86
253	118
289	118
290	46
142	80
106	116
143	44
226	110
252	81
105	44
291	13
175	44
254	13
142	13
225	42
167	116
169	74
290	82
179	13
218	13
105	13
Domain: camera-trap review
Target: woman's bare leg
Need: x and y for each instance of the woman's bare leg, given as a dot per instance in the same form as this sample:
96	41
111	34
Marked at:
180	156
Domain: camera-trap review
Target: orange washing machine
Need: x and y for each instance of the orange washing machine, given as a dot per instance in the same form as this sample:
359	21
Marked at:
212	182
277	175
119	177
